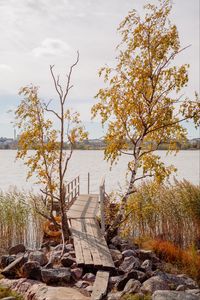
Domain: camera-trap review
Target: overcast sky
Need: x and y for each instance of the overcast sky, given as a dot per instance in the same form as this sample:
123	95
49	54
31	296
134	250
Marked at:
37	33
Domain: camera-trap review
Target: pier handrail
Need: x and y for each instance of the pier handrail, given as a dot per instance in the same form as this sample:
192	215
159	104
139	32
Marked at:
102	208
72	190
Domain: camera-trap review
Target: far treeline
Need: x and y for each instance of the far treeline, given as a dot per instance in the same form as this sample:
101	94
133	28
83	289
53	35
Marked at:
98	144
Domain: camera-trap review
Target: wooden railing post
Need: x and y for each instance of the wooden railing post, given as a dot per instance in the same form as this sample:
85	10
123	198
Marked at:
102	208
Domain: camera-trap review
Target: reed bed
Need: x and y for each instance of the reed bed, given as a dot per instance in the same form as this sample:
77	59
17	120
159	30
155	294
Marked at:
168	212
19	223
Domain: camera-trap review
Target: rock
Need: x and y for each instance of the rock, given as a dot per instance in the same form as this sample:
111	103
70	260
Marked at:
6	260
142	276
72	254
129	264
89	277
132	286
147	265
174	295
194	291
145	254
153	284
81	284
117	241
111	246
38	256
128	253
20	248
181	287
175	280
126	246
115	296
49	265
77	273
67	261
69	247
32	270
12	270
125	278
89	288
56	275
114	279
116	254
35	290
187	281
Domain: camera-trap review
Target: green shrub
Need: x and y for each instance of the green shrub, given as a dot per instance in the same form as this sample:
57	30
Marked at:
6	292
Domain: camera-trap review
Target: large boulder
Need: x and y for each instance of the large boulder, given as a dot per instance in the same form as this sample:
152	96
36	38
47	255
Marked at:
38	256
32	270
174	295
129	264
56	275
176	280
20	248
153	284
13	269
129	252
77	273
132	286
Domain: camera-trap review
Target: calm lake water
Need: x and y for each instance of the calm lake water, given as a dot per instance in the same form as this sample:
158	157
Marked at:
13	173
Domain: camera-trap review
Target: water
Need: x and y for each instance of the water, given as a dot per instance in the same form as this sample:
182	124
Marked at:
14	172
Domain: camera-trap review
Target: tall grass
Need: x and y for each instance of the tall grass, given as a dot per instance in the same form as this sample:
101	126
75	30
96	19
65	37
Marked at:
168	212
19	223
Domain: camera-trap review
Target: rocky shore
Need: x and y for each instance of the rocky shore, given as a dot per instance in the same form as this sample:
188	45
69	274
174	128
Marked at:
43	274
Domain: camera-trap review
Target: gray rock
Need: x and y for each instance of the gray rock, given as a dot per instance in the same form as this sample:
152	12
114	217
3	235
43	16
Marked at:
147	265
181	287
20	248
32	270
89	288
115	296
174	295
56	275
77	273
111	246
12	270
116	254
125	278
145	254
81	284
69	247
175	280
153	284
128	253
132	286
117	241
126	246
129	264
194	291
38	256
114	279
6	260
89	277
67	261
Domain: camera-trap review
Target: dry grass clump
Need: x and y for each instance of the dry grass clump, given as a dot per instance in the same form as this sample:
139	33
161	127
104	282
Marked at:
185	261
168	212
19	223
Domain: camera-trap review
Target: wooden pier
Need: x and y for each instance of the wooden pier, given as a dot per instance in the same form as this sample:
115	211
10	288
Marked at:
89	242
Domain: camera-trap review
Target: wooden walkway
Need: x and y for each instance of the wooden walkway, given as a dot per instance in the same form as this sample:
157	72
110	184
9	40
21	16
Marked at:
89	243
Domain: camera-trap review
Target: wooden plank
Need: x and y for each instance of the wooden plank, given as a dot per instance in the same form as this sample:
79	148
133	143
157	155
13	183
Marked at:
92	243
84	244
104	252
85	206
100	285
77	243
